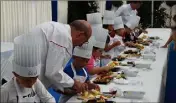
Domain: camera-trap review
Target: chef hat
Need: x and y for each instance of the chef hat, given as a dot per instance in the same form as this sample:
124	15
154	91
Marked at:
118	23
27	56
132	22
100	35
108	17
85	51
95	19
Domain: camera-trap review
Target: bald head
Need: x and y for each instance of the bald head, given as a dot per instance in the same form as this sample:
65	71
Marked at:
82	25
80	29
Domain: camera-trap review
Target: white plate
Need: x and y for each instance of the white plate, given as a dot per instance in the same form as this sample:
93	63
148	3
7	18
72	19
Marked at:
130	72
121	81
133	94
149	56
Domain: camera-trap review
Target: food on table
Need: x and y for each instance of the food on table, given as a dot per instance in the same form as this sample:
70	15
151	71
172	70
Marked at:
104	74
146	42
142	36
116	69
95	92
90	94
127	64
113	63
133	55
121	75
93	96
101	101
154	38
103	80
121	58
131	52
139	46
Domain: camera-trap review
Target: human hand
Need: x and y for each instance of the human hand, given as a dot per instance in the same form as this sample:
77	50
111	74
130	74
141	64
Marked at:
80	87
117	43
107	68
93	86
69	91
107	57
164	46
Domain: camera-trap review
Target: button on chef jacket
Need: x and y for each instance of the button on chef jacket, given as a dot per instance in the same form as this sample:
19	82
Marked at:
125	10
57	51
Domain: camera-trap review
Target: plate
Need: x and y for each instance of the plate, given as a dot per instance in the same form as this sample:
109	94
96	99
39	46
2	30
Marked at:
133	94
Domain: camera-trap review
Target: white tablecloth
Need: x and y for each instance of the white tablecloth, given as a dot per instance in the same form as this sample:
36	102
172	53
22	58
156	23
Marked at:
153	80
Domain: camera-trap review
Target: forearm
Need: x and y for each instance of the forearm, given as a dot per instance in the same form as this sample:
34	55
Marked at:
96	70
169	40
109	47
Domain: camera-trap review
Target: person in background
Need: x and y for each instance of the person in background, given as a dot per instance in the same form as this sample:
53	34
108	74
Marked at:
128	10
108	23
25	86
171	38
119	30
100	35
129	36
76	69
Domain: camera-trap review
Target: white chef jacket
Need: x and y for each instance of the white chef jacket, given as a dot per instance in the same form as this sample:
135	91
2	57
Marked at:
9	92
104	61
120	48
57	51
125	10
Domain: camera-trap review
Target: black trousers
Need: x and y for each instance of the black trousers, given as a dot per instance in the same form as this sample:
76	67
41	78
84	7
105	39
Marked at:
3	81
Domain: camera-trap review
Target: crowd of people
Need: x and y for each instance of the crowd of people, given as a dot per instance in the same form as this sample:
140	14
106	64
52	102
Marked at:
65	57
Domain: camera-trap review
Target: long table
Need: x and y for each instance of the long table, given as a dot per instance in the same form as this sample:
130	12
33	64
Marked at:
153	80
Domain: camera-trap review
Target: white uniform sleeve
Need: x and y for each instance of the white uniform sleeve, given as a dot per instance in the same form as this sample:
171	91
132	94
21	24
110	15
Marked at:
43	94
4	95
119	11
55	65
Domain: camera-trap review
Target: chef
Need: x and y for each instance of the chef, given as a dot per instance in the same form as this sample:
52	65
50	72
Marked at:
76	69
132	22
58	41
25	87
100	35
119	30
108	23
128	10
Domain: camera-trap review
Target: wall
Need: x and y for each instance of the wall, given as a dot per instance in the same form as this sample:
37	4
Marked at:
18	17
62	11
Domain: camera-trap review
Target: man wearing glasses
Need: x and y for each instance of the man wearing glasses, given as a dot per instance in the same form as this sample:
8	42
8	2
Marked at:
58	41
